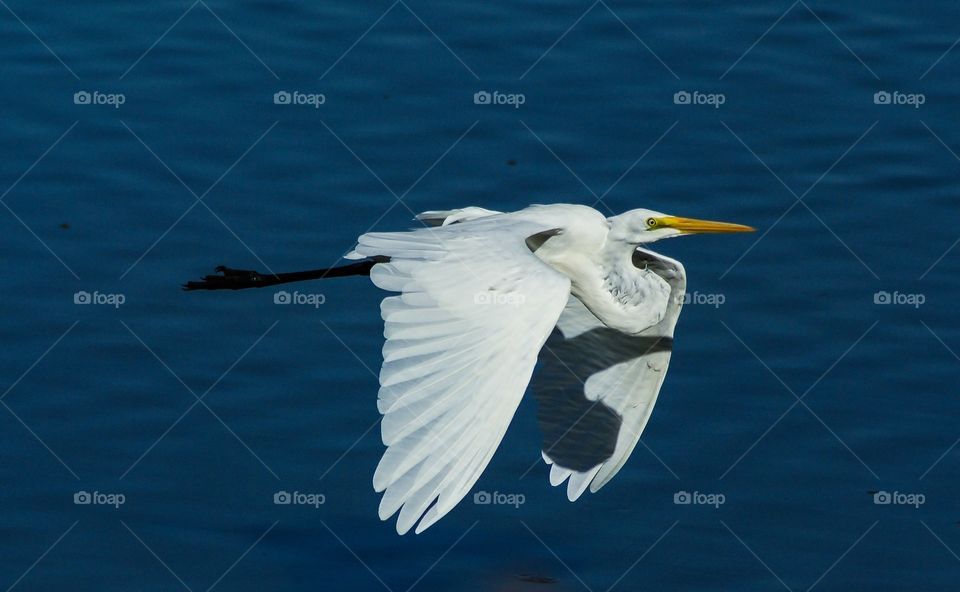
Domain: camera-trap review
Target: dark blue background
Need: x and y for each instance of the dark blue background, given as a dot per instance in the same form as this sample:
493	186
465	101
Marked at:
293	186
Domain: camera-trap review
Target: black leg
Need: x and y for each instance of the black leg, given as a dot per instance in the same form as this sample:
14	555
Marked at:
239	279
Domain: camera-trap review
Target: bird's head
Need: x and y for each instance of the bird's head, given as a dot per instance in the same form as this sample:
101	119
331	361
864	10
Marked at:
646	226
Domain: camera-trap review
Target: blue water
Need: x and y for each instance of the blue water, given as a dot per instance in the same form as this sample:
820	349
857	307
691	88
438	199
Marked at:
100	398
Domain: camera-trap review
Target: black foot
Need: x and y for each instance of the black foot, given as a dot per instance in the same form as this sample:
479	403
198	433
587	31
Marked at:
230	279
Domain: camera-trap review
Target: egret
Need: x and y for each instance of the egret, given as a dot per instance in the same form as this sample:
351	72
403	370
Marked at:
481	293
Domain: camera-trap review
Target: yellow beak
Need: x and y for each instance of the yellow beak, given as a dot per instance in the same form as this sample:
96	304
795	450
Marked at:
692	225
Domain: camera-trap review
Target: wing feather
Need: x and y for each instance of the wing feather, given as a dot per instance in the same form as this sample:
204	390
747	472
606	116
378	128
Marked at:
598	387
462	338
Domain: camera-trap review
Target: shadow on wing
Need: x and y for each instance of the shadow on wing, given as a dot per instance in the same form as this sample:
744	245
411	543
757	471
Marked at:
580	433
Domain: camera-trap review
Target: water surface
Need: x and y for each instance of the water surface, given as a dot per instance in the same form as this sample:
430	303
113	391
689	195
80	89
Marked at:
199	167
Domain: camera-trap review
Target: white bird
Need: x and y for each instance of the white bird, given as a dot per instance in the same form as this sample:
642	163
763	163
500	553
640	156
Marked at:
479	295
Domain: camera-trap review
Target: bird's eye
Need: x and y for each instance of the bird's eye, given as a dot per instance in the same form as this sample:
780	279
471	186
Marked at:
651	222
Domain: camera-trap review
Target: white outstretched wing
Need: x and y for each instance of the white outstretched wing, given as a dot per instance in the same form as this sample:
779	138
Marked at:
461	343
598	386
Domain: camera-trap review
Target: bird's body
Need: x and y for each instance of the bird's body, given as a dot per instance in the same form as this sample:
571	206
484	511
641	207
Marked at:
480	293
601	271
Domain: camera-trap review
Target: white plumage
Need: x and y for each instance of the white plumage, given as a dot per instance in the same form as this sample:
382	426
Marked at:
479	294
